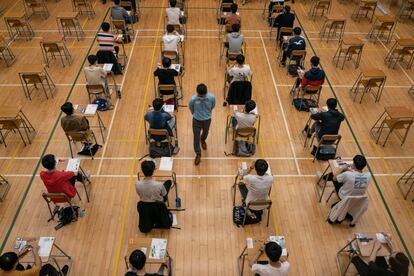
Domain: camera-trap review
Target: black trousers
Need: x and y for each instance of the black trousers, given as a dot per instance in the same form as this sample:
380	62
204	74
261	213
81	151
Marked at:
75	178
243	191
167	185
363	268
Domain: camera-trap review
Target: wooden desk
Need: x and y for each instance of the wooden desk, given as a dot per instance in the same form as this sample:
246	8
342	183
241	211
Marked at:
18	25
362	245
363	8
349	46
369	81
54	45
401	48
68	21
46	252
306	129
6	52
91	111
382	24
12	113
251	248
36	74
331	26
336	167
393	118
36	7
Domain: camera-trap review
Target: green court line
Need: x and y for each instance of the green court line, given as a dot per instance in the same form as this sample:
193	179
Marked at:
362	152
26	192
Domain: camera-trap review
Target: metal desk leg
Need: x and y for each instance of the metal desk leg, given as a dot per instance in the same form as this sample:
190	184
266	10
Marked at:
324	184
101	126
242	257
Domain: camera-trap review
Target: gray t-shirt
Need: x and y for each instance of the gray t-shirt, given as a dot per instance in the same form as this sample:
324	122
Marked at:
173	15
258	188
268	270
235	41
244	120
354	183
150	190
239	73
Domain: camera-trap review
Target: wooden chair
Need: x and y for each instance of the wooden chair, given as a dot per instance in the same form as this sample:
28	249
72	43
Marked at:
171	54
284	31
5	52
32	80
19	26
363	10
276	10
36	7
53	49
95	91
133	9
4	187
297	57
164	92
83	7
84	137
266	204
68	24
383	27
397	126
320	8
326	140
406	179
51	198
311	92
369	81
158	136
406	11
402	48
333	27
347	49
13	125
120	27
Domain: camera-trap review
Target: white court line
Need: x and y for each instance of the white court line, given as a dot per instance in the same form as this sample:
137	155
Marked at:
280	105
108	135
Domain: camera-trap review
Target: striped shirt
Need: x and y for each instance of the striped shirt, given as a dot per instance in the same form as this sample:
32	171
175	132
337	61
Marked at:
106	41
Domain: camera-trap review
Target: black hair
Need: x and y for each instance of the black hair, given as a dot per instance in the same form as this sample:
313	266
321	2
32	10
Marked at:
331	103
261	166
92	59
173	3
148	167
399	264
273	251
8	261
49	270
137	258
297	30
287	9
49	161
235	28
315	61
249	105
201	89
233	8
116	2
240	59
157	104
105	26
166	62
360	162
67	108
170	28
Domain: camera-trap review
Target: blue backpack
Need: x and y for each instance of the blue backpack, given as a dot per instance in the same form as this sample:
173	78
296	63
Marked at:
103	104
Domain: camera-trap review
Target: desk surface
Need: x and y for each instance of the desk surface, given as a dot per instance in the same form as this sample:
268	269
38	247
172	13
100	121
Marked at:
373	73
158	172
385	18
33	68
68	15
366	248
140	243
16	15
257	243
336	165
44	252
406	42
9	112
352	41
53	38
333	17
399	112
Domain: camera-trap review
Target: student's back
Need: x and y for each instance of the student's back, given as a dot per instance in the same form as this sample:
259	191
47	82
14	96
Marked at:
235	40
285	20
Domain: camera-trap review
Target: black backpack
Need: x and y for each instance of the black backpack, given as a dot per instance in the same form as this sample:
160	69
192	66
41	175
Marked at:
244	148
324	152
87	149
68	214
160	149
238	216
304	104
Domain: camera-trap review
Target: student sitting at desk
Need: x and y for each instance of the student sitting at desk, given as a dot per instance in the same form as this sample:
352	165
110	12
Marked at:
397	265
9	262
95	74
233	17
171	39
58	181
173	13
284	20
295	43
277	266
314	76
247	118
257	186
106	40
165	74
234	40
119	13
160	119
137	261
239	71
72	122
326	122
148	189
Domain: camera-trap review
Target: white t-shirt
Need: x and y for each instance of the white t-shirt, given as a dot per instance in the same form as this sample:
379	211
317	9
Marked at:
171	41
173	15
240	73
150	191
268	270
244	120
354	183
258	188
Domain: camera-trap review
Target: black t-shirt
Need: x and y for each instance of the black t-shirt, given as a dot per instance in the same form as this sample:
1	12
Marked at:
166	76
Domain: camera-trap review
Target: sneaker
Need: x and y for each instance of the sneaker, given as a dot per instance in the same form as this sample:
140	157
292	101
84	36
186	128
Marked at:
197	159
65	270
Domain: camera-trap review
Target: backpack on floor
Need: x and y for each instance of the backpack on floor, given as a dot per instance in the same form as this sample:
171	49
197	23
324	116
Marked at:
244	148
67	215
161	149
238	216
87	149
304	104
103	104
324	152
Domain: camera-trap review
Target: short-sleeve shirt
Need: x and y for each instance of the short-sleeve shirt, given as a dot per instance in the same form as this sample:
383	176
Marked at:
171	41
258	188
150	190
268	270
354	183
166	75
173	15
106	41
244	120
239	73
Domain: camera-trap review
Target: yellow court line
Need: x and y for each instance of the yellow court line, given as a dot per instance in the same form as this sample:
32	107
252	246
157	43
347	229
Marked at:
10	163
131	174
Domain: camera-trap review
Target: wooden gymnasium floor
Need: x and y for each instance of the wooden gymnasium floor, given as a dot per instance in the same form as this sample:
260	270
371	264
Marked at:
208	243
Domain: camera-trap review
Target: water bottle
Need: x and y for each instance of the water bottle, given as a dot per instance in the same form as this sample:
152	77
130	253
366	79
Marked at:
82	213
177	202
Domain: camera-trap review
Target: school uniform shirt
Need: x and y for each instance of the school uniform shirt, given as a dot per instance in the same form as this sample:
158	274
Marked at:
296	43
94	75
244	120
171	41
268	270
34	271
285	20
150	190
74	123
354	183
166	75
258	188
201	107
106	41
58	182
159	120
235	41
173	15
233	18
239	73
330	122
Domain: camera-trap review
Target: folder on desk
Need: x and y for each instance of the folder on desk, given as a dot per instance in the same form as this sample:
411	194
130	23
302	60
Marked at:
91	109
73	165
158	249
